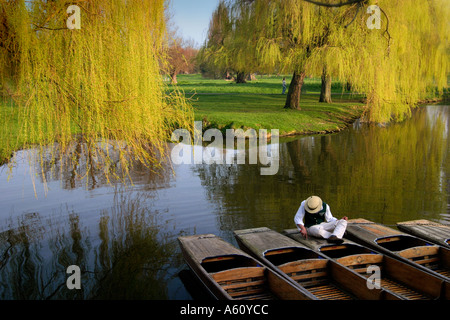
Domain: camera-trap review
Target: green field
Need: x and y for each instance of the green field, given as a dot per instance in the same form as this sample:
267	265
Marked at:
9	129
259	105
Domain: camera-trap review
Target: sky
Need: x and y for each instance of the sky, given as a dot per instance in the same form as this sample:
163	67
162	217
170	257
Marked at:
192	17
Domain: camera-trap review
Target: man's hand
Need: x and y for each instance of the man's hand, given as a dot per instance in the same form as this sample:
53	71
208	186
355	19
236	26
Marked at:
345	218
303	231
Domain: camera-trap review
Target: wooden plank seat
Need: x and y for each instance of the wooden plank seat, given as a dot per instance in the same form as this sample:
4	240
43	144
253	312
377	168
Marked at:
313	275
330	291
247	283
399	288
360	264
427	256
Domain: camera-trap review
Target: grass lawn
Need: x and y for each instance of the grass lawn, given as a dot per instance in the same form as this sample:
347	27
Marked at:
9	129
259	105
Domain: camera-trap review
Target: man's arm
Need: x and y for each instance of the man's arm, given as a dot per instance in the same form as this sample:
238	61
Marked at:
299	220
329	217
303	231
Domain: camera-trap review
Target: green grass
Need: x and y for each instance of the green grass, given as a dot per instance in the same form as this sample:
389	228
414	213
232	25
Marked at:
259	105
9	127
195	83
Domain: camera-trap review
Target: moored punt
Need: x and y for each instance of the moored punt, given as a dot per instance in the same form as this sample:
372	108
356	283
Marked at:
418	252
396	276
230	274
321	276
428	230
346	248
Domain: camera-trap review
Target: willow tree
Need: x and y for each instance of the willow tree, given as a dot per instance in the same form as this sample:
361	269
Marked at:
395	65
210	55
231	44
284	30
400	64
100	83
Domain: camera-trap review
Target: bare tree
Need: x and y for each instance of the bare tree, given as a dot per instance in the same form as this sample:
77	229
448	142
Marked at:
181	58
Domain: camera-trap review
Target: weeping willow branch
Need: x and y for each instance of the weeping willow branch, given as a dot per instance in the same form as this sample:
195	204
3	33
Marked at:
47	28
387	31
356	14
102	82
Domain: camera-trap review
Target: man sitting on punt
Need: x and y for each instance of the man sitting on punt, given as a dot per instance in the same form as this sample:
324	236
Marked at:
314	218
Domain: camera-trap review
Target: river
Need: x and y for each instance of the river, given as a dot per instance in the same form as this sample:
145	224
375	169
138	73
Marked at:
124	237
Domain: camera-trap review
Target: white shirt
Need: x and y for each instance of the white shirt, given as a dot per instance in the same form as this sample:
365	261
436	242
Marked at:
301	214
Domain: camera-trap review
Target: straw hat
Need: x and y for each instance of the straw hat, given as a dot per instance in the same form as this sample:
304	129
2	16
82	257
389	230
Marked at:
313	204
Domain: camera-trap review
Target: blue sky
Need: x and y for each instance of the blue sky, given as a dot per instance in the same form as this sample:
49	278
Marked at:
192	17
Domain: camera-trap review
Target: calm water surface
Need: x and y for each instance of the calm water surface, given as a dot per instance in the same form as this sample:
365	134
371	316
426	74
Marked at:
124	237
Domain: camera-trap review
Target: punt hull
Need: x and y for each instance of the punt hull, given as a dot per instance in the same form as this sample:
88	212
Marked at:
430	231
421	254
230	274
399	277
323	277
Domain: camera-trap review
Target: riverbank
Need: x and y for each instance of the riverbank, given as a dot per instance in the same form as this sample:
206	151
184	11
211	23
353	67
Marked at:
259	105
267	112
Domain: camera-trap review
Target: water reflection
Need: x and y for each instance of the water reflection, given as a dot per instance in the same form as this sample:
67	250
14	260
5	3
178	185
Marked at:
80	167
390	174
124	237
123	257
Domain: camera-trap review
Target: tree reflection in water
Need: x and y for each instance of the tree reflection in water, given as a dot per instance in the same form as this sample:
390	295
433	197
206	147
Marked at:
391	174
123	250
123	257
125	243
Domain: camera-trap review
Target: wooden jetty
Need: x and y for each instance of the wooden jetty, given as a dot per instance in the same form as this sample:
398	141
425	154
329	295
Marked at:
424	255
401	278
230	274
428	230
321	276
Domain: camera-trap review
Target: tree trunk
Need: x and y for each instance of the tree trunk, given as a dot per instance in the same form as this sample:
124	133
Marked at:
240	77
325	93
173	75
295	89
251	77
348	86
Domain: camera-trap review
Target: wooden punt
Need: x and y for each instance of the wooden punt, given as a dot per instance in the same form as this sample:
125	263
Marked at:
428	230
230	274
398	277
413	250
321	276
333	251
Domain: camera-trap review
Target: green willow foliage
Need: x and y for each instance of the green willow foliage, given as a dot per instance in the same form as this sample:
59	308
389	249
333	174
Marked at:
396	66
100	84
401	64
228	48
